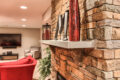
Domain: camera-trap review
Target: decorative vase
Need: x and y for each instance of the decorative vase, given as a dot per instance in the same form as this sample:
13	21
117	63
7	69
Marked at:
46	32
74	21
66	22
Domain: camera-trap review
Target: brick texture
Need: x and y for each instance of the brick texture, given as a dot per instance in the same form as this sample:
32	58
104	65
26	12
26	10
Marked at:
92	65
99	21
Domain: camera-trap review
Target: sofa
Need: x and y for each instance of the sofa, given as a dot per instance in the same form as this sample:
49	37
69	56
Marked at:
33	51
18	70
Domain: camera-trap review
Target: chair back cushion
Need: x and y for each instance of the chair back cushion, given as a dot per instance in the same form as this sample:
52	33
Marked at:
19	62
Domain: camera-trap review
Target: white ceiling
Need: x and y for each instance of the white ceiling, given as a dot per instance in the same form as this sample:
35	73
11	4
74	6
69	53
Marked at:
11	14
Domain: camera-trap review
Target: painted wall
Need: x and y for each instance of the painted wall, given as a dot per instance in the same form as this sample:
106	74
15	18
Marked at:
30	37
46	18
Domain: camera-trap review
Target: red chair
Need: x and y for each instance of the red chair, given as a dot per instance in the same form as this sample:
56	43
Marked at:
18	70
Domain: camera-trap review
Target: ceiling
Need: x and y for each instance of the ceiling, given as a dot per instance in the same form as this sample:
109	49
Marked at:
11	13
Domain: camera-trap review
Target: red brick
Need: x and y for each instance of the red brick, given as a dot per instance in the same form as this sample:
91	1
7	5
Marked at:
78	73
117	53
108	54
86	73
63	57
94	70
63	65
57	67
91	25
87	60
109	65
88	78
66	53
88	51
99	78
107	75
107	15
116	33
117	73
57	58
63	73
72	64
116	2
94	62
106	65
97	53
100	64
57	52
116	16
68	68
69	77
74	55
117	78
105	1
102	15
117	64
92	11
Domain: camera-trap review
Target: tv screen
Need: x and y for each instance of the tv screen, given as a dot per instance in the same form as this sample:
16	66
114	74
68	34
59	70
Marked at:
10	40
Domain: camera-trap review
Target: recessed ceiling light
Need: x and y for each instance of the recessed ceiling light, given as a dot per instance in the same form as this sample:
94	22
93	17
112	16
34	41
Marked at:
24	25
23	7
23	19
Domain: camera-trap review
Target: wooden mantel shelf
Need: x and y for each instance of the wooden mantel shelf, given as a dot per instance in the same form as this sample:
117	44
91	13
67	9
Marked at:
70	44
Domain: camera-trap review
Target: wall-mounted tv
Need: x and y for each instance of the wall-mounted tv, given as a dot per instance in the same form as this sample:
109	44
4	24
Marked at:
10	40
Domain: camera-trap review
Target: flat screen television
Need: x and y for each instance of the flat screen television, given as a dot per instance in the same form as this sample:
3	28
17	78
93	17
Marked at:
10	40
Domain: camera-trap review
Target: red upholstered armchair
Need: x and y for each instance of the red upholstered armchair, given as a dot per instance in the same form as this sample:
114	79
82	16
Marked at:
18	70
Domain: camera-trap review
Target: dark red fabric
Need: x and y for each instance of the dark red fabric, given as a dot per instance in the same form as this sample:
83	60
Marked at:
23	61
18	70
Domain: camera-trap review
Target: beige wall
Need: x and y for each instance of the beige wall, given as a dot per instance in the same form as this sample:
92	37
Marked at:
30	37
46	18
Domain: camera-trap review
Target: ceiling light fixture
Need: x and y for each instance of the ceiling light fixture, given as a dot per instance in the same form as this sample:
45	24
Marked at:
24	25
24	19
23	7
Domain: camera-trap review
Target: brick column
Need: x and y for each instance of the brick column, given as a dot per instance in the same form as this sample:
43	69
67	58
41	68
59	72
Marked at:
100	21
107	34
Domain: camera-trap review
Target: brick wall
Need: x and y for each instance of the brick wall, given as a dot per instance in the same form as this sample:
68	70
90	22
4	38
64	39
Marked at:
97	17
86	64
58	7
100	21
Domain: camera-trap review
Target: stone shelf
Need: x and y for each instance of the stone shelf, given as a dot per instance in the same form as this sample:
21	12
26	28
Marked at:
70	44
